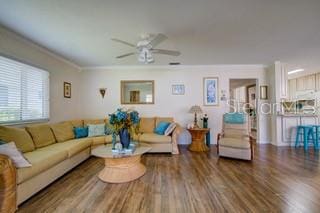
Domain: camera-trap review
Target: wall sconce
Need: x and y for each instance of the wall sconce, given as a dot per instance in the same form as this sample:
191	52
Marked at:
103	92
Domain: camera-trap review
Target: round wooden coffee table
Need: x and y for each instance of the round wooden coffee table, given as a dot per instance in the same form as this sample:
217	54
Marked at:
121	168
197	144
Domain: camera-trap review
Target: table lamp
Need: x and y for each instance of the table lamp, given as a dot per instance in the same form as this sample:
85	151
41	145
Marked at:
196	110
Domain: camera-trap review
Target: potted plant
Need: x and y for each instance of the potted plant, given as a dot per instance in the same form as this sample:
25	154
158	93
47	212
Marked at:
124	123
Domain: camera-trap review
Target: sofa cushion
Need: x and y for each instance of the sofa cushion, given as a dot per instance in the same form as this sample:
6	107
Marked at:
19	136
62	131
154	138
102	140
41	134
76	123
99	140
235	143
147	125
93	121
74	146
163	119
41	160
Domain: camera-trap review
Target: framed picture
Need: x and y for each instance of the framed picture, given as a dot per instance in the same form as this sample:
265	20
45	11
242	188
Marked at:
263	92
178	89
67	90
210	91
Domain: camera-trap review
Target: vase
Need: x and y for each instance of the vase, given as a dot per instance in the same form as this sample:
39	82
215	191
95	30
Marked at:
124	138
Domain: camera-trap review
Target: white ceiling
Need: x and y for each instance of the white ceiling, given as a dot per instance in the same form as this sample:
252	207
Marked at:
205	31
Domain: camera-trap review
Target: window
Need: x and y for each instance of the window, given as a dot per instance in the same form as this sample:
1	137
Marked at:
24	92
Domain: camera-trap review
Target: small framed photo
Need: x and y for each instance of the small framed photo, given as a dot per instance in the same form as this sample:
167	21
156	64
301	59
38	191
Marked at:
178	89
67	89
211	91
264	92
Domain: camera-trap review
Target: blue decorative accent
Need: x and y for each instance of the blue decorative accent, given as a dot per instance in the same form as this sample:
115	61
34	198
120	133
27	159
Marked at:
80	132
161	128
2	142
124	138
234	118
307	132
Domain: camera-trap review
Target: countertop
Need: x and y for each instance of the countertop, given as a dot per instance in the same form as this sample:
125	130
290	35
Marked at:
298	115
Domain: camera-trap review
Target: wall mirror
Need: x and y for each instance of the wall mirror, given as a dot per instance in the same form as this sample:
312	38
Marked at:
137	92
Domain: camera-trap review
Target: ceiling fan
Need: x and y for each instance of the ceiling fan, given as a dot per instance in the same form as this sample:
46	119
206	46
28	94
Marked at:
145	48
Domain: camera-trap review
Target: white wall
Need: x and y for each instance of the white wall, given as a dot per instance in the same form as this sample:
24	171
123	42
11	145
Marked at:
93	106
60	70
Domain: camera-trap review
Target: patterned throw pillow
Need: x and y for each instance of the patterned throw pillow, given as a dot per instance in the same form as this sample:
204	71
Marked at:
96	130
80	132
14	154
170	129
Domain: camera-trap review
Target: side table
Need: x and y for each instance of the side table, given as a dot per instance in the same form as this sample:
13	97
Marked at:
198	136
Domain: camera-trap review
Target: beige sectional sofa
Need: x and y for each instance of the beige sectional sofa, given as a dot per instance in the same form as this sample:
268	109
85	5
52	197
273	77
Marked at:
52	149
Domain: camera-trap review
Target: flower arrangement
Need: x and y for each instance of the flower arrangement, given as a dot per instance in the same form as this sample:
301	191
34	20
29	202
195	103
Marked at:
124	119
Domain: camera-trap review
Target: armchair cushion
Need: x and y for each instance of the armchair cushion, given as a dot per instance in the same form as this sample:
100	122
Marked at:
240	143
235	133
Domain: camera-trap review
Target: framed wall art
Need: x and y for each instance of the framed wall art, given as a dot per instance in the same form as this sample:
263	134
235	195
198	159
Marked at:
178	89
67	89
210	91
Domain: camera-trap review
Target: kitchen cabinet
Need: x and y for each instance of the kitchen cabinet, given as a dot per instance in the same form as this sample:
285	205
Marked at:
289	128
290	123
300	84
318	81
307	82
292	89
310	82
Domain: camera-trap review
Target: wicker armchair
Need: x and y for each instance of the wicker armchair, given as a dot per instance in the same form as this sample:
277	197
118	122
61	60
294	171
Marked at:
8	197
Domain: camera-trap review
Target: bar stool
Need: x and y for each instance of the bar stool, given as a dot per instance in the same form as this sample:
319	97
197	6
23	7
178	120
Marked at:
307	131
316	130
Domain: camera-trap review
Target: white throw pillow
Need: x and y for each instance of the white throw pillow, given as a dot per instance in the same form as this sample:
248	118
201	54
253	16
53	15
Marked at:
96	130
170	129
14	154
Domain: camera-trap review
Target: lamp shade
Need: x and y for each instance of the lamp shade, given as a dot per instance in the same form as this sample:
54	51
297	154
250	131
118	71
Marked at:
195	109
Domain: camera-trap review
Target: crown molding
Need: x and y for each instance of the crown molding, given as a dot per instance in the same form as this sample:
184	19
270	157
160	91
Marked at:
34	44
172	67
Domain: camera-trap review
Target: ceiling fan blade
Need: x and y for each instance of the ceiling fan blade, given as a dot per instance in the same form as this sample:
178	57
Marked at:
158	39
166	52
123	42
125	55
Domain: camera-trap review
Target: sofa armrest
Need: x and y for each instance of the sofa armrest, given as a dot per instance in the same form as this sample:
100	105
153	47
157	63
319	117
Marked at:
8	185
177	131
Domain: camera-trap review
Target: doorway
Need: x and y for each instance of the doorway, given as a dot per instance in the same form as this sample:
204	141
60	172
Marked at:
243	98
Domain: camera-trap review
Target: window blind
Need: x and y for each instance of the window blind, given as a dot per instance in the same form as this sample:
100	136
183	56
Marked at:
24	92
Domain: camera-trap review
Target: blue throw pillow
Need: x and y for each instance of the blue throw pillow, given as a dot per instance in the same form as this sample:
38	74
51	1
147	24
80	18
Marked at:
80	132
161	128
234	118
2	142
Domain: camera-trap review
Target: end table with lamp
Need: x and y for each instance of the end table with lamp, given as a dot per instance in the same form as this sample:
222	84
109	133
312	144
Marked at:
198	134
